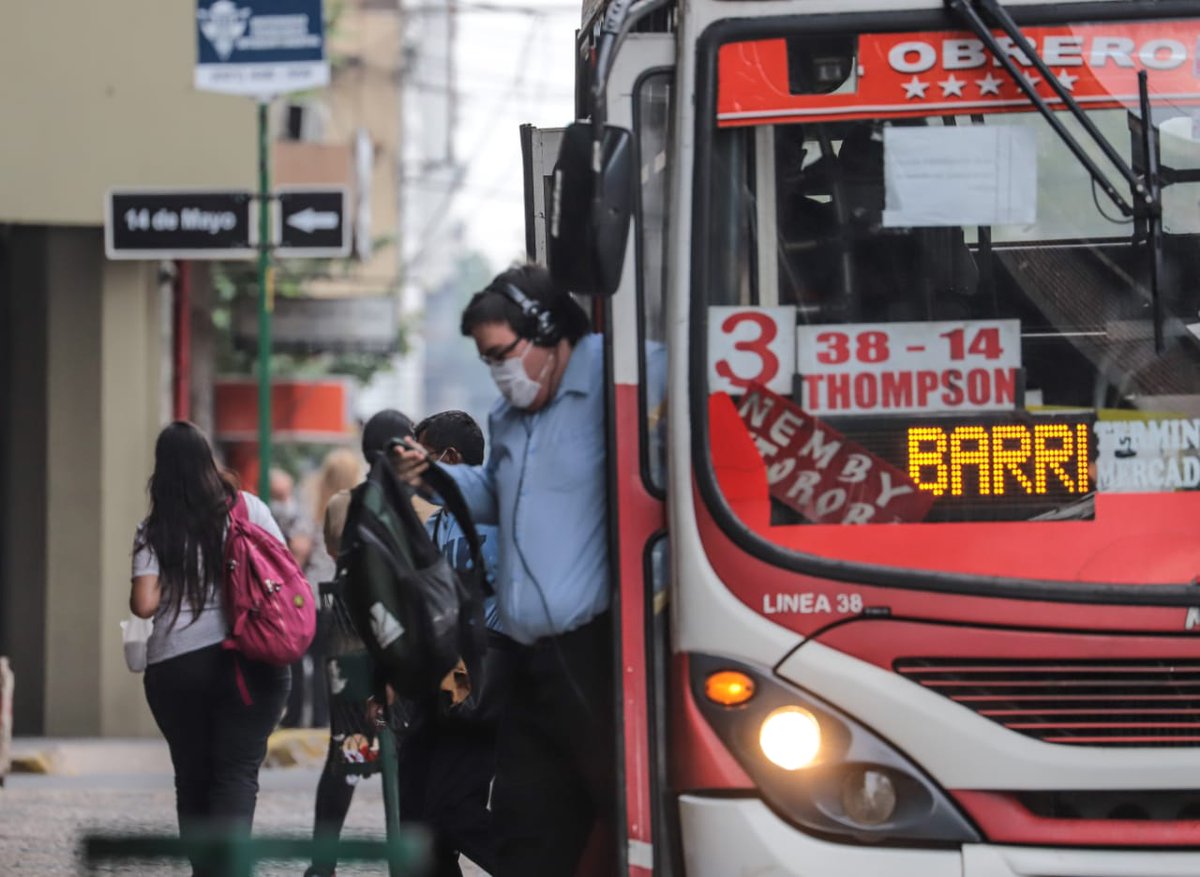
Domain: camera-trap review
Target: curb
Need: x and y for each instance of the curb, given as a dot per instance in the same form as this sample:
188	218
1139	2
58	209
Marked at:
287	747
36	762
297	747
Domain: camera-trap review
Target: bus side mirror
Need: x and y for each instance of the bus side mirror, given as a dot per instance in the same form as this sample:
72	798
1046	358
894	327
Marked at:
586	239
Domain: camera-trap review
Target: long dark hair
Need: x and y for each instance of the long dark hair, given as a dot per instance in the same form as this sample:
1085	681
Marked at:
189	506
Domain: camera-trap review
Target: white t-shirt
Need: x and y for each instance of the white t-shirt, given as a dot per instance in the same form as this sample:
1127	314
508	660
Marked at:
169	640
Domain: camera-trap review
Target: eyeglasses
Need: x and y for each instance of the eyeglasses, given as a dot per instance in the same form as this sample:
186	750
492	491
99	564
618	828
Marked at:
500	355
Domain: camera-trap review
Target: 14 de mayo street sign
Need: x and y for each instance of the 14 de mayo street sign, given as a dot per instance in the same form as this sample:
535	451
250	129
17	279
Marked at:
153	224
217	224
260	47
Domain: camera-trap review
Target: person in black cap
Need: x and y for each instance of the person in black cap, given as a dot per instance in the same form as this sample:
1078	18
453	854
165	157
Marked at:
335	789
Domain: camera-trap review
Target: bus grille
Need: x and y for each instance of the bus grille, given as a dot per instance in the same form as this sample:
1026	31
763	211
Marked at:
1147	702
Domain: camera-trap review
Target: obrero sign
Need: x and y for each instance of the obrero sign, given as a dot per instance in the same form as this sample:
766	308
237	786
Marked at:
929	72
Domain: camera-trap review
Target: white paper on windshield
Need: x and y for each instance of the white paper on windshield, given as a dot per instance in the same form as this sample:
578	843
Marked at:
967	175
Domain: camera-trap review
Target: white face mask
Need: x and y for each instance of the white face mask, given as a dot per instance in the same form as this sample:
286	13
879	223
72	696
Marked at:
513	382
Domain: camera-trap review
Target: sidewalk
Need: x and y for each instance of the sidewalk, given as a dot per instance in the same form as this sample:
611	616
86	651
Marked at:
100	785
67	756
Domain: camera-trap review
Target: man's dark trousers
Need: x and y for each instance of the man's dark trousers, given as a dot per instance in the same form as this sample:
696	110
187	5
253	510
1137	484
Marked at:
555	754
445	774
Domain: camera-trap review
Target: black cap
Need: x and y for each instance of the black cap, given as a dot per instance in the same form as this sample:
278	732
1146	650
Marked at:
384	426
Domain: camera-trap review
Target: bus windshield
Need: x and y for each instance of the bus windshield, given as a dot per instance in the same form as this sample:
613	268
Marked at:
924	315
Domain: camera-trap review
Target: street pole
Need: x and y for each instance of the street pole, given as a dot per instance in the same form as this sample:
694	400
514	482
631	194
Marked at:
265	304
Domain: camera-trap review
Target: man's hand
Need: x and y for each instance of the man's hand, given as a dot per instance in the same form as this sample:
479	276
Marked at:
409	461
375	710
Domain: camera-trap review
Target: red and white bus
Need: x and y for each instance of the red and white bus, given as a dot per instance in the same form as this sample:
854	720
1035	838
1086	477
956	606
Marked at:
908	527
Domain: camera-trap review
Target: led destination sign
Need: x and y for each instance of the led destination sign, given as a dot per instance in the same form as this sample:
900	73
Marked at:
1000	459
990	467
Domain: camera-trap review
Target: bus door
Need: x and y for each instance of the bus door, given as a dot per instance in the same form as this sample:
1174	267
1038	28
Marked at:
539	149
633	323
639	93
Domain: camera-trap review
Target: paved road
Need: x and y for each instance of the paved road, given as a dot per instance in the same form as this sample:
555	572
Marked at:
42	818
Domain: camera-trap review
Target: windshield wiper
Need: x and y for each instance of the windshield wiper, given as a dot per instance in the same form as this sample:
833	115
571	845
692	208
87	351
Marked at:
972	13
1146	189
1153	216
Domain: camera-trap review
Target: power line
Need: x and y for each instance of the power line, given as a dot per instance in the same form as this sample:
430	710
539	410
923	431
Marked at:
484	7
440	213
537	91
453	188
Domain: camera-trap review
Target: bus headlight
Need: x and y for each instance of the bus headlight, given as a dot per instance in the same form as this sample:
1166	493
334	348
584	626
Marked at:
821	769
868	795
790	737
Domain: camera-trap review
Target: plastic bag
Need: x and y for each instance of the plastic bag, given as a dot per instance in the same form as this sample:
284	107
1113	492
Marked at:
134	634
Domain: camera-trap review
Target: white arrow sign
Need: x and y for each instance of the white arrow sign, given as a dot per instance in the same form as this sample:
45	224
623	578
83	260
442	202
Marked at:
309	220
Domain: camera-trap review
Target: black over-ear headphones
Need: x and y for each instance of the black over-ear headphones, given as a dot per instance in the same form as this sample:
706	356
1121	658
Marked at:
540	326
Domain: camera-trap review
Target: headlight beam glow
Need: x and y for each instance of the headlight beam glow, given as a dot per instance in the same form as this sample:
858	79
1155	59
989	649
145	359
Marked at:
790	737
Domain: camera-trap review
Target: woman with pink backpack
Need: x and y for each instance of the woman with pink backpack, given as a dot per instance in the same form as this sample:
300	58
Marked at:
214	705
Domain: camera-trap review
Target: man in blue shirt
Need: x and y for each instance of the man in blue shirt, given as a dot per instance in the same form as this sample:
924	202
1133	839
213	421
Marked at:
544	487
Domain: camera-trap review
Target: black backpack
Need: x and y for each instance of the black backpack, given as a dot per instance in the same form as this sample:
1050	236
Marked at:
416	614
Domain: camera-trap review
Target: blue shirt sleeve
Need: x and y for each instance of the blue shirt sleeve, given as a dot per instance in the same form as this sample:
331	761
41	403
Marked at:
478	487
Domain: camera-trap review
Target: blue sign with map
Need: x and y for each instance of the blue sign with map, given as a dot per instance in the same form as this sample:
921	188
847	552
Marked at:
260	48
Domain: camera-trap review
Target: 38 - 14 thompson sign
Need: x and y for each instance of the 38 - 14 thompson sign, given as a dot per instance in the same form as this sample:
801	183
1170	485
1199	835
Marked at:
898	368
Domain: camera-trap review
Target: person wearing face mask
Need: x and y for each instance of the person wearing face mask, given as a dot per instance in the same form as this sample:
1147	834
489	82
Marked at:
447	752
544	487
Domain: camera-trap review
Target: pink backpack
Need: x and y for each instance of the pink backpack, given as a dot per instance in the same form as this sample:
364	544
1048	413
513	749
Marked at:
268	603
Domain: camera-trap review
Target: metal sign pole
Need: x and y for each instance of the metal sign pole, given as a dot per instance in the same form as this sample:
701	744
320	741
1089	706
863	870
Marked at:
265	304
284	52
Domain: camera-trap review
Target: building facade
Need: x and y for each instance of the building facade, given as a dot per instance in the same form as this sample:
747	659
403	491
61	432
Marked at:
94	96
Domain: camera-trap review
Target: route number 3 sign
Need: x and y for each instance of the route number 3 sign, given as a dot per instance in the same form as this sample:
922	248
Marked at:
751	345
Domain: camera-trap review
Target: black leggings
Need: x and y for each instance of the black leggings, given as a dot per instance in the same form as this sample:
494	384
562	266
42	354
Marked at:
334	795
445	773
217	741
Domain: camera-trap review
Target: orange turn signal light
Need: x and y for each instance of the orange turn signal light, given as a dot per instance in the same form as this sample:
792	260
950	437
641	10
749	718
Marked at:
729	687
